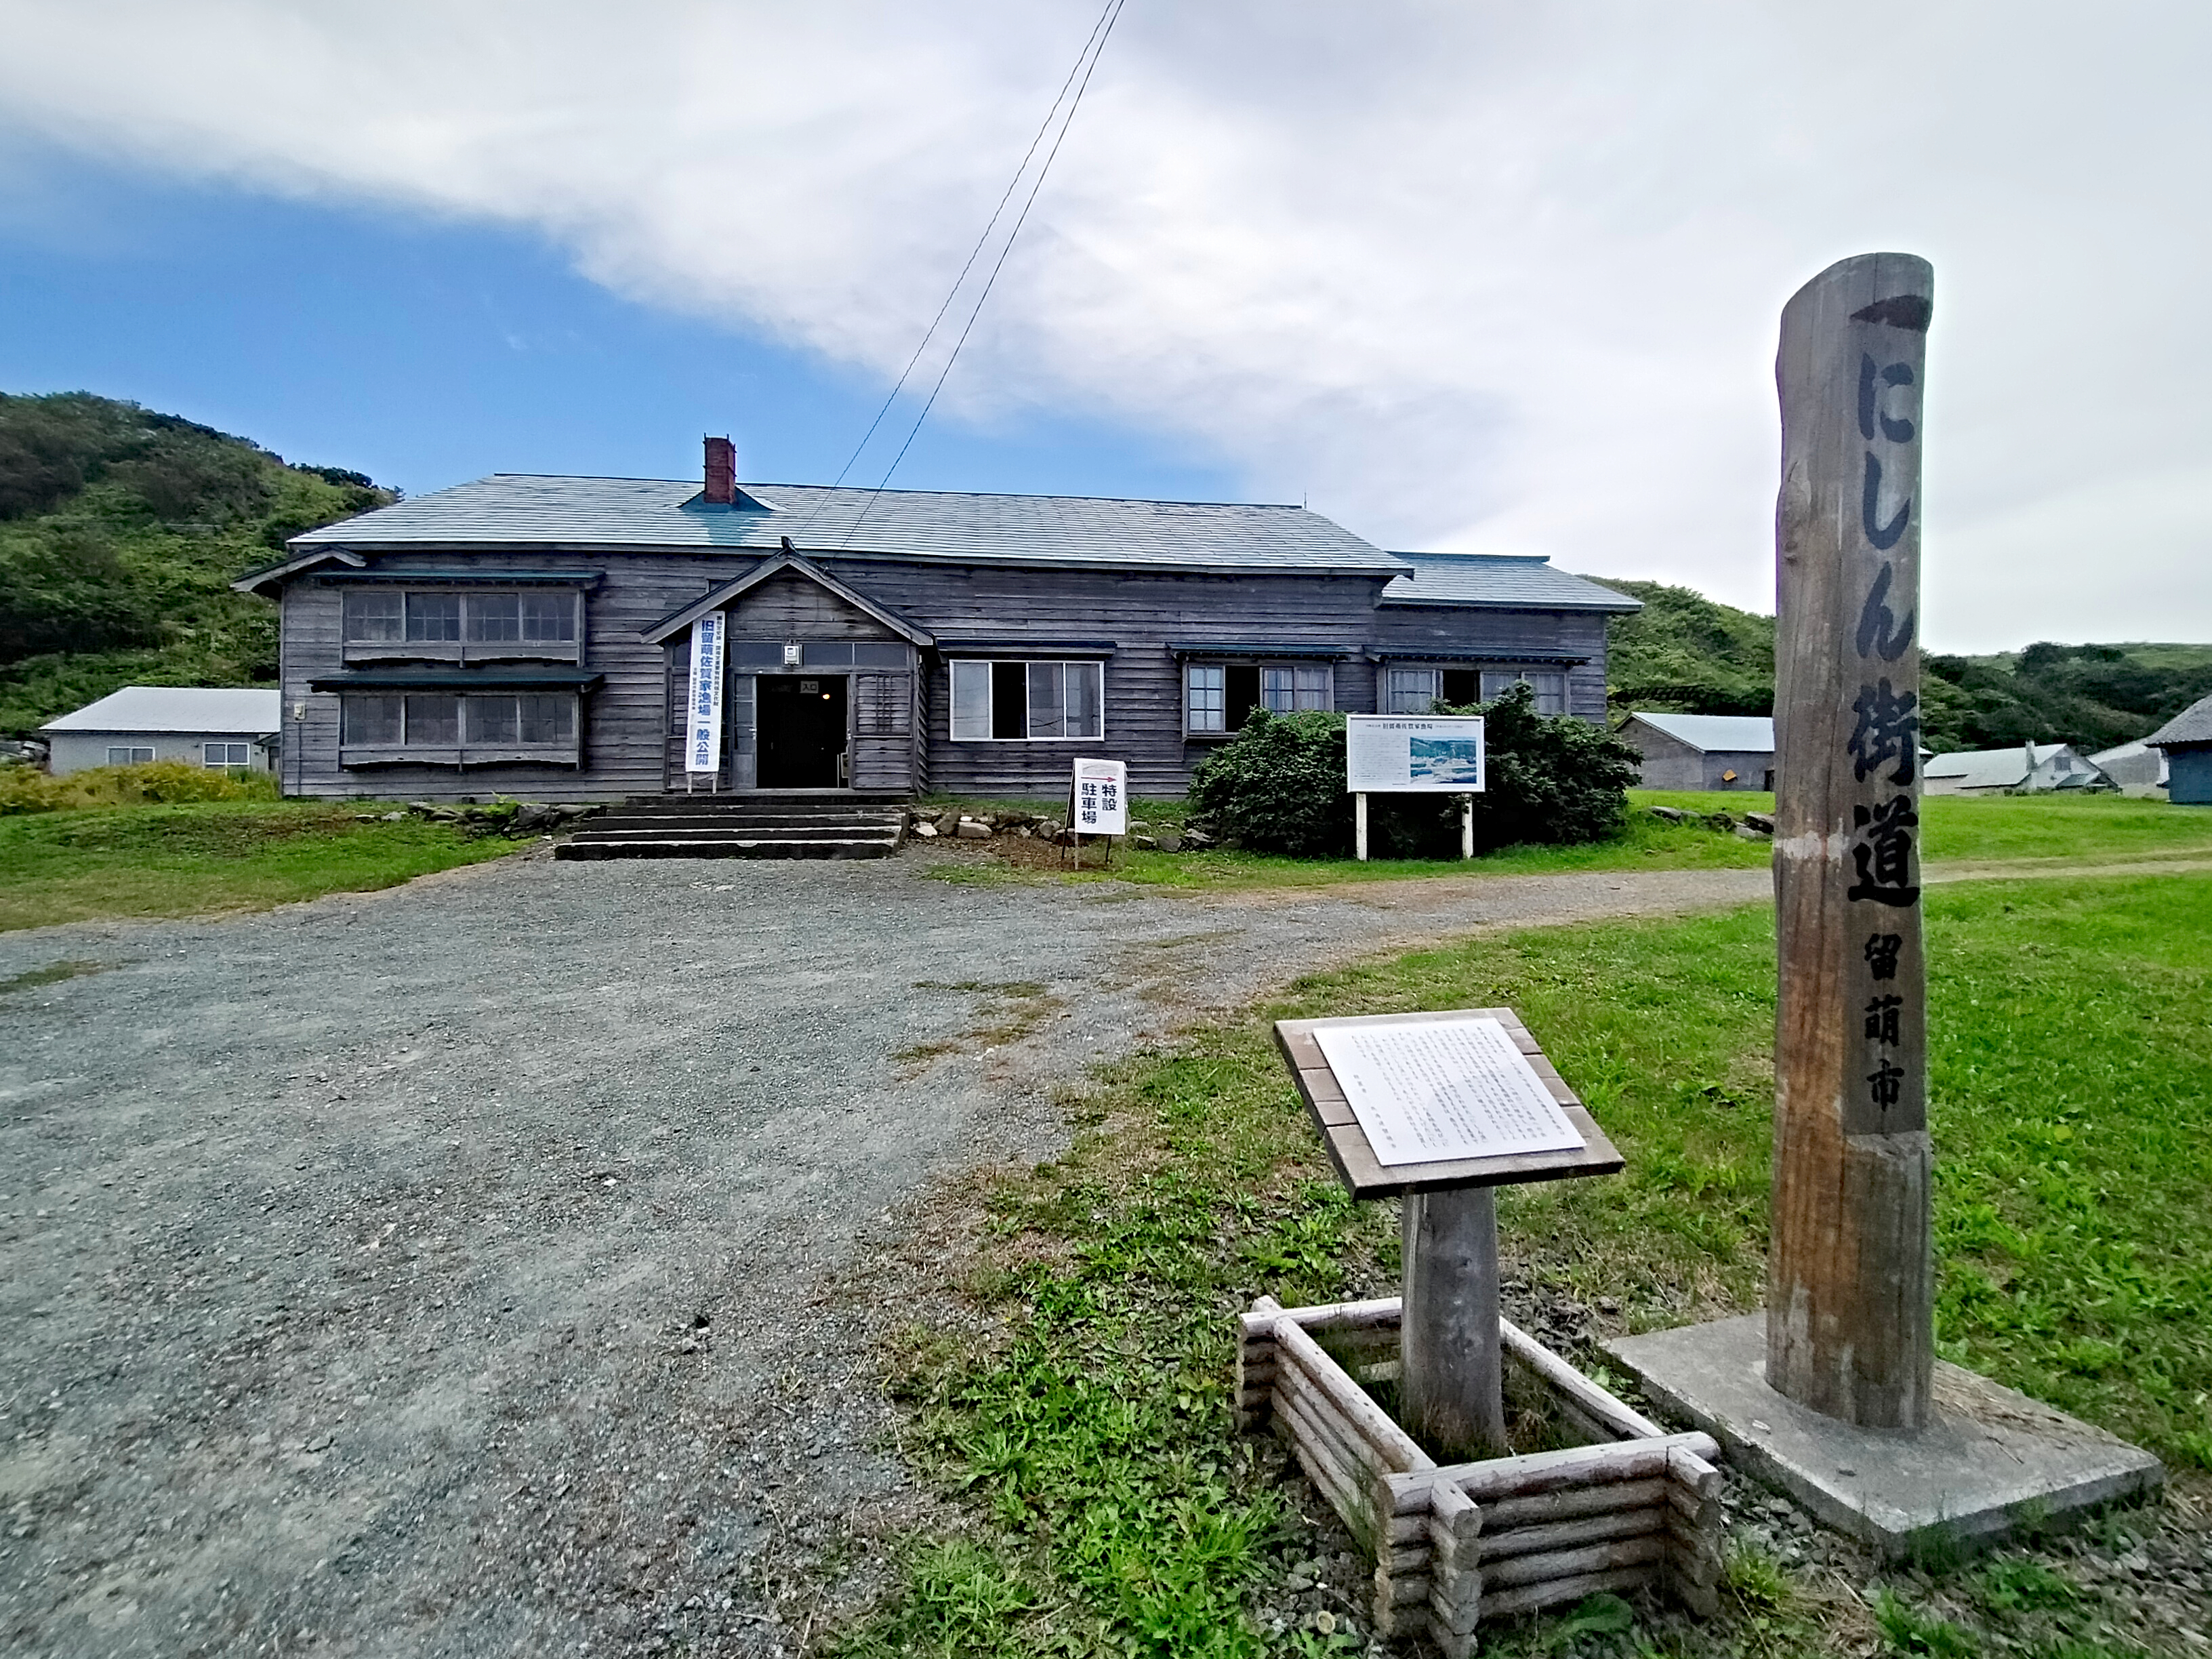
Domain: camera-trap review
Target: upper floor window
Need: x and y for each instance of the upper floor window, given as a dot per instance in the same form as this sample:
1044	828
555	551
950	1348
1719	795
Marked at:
374	617
1027	700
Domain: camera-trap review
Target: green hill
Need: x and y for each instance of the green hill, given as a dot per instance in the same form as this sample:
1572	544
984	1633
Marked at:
1686	654
120	532
2092	697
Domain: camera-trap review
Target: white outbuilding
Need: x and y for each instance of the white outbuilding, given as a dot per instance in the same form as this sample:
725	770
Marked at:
228	728
2030	769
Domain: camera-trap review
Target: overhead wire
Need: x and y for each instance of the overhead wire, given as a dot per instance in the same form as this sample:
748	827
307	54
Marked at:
1086	63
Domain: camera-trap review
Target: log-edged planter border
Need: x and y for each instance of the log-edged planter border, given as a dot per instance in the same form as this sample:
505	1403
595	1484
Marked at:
1455	1544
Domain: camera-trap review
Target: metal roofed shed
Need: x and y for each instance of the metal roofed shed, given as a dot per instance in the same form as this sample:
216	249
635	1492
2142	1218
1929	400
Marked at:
2186	740
510	512
1511	581
1704	751
223	726
2139	770
2030	769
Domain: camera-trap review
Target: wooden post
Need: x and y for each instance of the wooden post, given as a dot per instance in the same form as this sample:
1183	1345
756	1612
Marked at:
1359	826
1449	1367
1467	826
1849	1301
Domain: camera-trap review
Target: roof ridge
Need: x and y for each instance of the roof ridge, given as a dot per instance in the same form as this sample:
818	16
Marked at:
863	490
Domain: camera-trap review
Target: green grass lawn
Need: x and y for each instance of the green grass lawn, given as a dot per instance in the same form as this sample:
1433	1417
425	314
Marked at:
1960	829
1116	1512
203	858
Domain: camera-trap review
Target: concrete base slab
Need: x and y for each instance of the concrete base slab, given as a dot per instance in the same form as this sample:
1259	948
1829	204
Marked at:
1991	1460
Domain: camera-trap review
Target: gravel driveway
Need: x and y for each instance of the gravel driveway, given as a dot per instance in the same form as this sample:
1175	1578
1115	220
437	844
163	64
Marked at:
443	1271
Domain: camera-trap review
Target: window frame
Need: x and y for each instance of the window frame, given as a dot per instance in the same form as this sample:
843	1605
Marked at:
525	607
130	752
464	749
1066	668
1295	667
245	751
1512	675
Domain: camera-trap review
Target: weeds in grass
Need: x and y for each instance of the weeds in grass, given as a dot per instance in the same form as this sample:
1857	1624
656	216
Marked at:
205	857
1906	1631
52	974
23	789
1092	1435
2017	1584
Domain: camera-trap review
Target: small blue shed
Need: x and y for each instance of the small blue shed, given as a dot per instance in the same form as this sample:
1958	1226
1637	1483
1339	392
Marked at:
2187	740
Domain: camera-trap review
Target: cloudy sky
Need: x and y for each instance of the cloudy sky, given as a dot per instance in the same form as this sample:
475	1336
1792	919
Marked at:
1490	278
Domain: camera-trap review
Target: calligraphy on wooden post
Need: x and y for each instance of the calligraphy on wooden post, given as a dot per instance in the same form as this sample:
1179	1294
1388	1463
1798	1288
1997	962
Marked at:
1850	1310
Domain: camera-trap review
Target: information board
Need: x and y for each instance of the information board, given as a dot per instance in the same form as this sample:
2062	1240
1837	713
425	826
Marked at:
1440	1090
1102	797
1434	754
703	724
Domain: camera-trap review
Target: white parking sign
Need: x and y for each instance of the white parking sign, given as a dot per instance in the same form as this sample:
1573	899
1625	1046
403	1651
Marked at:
1102	797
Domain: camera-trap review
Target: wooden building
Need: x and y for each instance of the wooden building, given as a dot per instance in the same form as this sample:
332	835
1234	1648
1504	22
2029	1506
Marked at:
1704	751
530	636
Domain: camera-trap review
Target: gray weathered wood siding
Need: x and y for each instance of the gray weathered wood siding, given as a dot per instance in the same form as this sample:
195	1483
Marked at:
623	726
631	725
1144	614
1506	638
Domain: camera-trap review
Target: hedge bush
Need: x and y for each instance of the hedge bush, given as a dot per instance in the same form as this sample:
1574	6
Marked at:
26	789
1278	787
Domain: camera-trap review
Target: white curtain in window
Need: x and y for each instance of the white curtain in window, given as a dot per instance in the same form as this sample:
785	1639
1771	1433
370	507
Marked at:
1414	690
1087	699
971	702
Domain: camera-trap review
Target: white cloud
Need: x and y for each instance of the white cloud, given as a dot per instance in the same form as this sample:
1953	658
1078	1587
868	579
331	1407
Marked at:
1479	275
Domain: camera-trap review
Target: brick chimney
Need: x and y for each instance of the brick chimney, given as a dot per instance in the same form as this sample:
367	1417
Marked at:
721	472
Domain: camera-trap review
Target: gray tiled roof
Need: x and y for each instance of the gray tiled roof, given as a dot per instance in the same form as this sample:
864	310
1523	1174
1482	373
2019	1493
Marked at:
2193	724
1715	734
1516	581
518	510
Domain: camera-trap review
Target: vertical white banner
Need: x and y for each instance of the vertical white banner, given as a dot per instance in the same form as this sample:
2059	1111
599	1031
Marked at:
702	724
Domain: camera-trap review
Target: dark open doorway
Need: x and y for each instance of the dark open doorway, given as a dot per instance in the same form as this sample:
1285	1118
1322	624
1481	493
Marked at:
802	731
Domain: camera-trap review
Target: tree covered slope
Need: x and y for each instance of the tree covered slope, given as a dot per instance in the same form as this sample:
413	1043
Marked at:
120	531
1686	654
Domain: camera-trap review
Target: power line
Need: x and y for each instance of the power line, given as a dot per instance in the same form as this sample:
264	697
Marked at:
973	253
1086	63
1113	15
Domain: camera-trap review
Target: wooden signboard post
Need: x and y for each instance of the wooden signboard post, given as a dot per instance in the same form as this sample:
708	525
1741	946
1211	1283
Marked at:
1832	1393
1850	1309
1438	1109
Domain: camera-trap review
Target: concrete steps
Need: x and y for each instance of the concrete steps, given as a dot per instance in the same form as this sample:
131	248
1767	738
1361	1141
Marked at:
796	824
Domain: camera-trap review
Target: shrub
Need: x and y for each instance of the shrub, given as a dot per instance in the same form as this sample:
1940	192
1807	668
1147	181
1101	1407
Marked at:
23	789
1279	787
